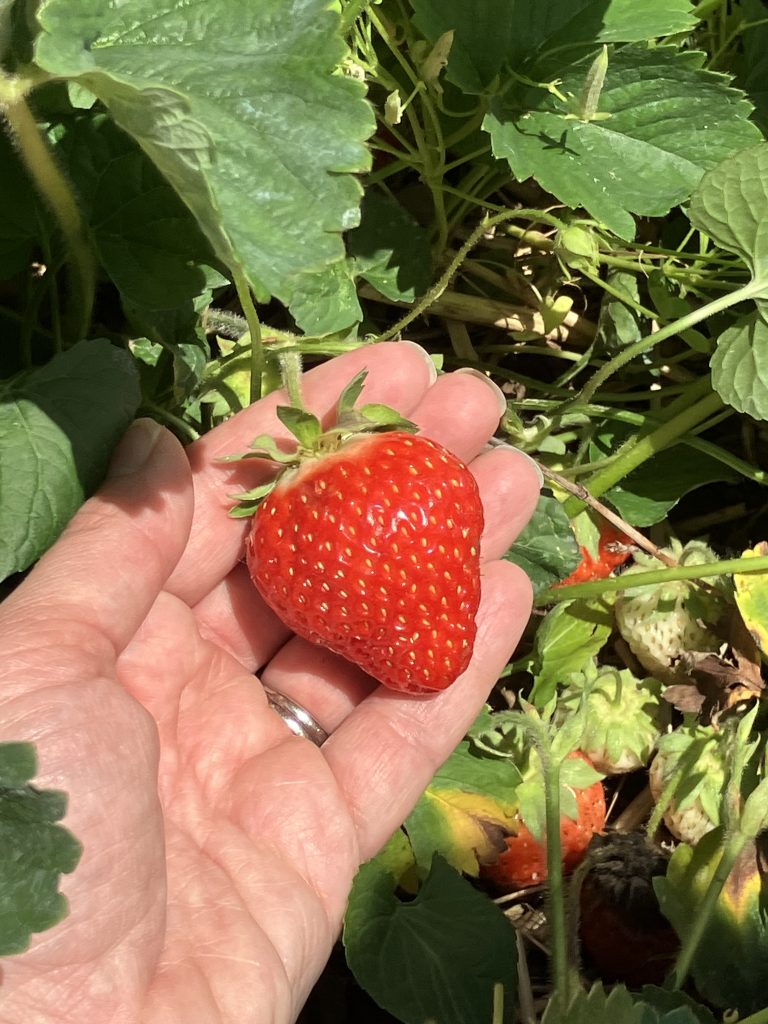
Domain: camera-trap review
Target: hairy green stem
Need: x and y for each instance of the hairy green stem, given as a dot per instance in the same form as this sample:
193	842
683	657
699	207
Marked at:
636	452
290	371
748	291
176	423
53	186
258	361
740	466
554	595
555	890
444	280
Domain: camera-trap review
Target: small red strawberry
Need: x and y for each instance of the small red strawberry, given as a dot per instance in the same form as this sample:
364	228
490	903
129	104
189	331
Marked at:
369	545
524	862
613	550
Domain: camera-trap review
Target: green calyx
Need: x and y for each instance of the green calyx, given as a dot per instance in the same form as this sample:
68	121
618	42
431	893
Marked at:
313	442
622	717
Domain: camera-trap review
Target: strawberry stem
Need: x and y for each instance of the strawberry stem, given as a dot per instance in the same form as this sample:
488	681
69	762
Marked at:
290	371
553	595
550	765
254	330
55	188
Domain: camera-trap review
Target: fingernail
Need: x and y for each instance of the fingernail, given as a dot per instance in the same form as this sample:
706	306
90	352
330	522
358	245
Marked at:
496	443
425	356
497	392
135	448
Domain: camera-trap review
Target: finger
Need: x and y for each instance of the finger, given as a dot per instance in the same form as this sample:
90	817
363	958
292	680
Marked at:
461	411
209	711
235	617
509	484
384	754
89	593
398	375
327	685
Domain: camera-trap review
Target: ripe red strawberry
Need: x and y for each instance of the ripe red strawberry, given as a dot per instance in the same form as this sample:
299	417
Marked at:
373	551
612	551
524	862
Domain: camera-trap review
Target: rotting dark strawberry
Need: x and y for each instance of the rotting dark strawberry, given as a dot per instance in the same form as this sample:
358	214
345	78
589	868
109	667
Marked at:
623	933
370	546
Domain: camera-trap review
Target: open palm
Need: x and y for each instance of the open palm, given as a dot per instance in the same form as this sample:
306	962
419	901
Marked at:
219	849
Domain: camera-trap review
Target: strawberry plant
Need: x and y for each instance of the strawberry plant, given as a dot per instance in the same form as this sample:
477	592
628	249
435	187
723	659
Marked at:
569	197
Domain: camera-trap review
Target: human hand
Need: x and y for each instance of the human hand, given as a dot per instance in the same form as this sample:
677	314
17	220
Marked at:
219	848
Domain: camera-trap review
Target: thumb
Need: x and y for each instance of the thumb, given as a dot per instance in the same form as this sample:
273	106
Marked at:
101	577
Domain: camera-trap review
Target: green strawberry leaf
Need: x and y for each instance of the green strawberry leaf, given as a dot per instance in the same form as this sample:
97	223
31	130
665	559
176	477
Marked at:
670	121
390	250
646	495
493	35
546	550
146	238
303	425
465	812
242	112
58	426
673	1007
731	207
618	324
731	961
740	366
619	1006
34	851
325	301
437	956
570	636
731	204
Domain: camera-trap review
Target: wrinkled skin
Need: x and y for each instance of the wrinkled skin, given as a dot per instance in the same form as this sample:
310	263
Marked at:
219	849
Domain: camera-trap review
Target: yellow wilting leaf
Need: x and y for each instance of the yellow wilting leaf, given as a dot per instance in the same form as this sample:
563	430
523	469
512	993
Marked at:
752	597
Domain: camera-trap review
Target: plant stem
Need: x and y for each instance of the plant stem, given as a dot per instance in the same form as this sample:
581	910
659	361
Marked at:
555	893
634	453
54	188
554	595
258	362
444	280
180	426
747	291
290	372
740	466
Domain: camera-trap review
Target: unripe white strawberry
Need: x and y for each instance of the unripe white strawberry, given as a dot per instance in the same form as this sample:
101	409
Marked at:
693	759
622	717
661	623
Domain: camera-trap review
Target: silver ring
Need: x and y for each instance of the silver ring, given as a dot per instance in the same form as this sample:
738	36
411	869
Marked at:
297	718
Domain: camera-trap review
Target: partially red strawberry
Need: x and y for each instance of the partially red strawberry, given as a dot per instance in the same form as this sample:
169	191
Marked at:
613	550
524	862
369	546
